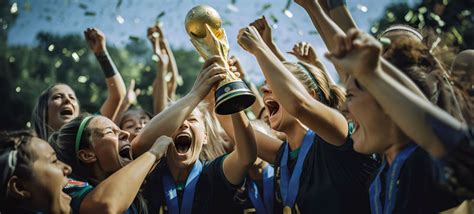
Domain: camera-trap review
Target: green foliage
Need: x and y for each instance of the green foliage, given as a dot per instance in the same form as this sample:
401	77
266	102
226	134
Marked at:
452	20
67	59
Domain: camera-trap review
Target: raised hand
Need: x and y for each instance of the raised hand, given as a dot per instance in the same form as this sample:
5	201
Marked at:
357	53
249	39
161	146
263	29
303	51
155	35
95	39
211	73
235	65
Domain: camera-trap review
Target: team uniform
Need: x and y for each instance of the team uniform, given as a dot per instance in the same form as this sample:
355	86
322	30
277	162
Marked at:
334	179
78	191
207	192
455	171
256	196
409	185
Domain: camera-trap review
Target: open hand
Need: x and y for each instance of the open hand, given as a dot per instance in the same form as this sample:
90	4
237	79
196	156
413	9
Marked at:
95	39
235	66
161	146
303	51
211	73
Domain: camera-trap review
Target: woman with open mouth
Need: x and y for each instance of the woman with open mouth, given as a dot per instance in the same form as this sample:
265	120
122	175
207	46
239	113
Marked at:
407	170
182	183
58	104
32	179
317	169
106	177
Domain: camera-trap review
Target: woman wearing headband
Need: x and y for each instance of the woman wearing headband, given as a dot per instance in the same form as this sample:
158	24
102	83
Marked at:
102	155
406	181
58	104
32	178
316	169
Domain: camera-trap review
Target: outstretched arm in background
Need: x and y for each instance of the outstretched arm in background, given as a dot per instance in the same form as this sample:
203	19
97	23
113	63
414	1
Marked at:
160	85
115	85
265	32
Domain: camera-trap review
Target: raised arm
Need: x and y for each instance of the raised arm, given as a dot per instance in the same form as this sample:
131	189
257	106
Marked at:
167	121
115	85
293	96
265	32
341	22
238	162
409	111
116	193
160	86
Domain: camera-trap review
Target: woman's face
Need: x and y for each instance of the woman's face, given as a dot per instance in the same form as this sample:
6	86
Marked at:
133	121
62	106
279	118
188	141
371	125
110	144
49	177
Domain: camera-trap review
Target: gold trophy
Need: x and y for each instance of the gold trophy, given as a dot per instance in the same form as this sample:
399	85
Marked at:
203	25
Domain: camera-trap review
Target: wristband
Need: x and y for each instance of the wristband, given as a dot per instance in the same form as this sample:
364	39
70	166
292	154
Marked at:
332	4
106	64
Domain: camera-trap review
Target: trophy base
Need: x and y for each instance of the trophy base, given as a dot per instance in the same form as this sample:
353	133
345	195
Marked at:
233	97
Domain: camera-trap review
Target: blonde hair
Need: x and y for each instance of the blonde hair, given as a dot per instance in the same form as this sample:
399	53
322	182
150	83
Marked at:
315	79
214	147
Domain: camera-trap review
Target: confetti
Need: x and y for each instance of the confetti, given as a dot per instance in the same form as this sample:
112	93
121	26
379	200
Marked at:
233	8
120	19
288	13
28	124
51	48
82	79
362	8
14	8
18	89
83	6
75	56
89	13
11	59
58	64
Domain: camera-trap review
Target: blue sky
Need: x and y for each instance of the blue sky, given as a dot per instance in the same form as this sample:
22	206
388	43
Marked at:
132	18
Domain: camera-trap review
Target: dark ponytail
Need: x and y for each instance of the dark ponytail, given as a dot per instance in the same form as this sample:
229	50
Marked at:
17	145
63	142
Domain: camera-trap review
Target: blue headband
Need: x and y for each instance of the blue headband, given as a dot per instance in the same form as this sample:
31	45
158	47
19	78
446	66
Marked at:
313	78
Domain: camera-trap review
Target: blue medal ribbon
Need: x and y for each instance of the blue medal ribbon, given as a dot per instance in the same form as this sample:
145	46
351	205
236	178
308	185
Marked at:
268	189
391	183
289	184
188	198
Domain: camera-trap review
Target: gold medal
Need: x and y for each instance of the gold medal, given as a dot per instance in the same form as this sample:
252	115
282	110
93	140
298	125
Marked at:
286	210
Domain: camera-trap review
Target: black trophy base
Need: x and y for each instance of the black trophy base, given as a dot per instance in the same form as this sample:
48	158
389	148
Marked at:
233	97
